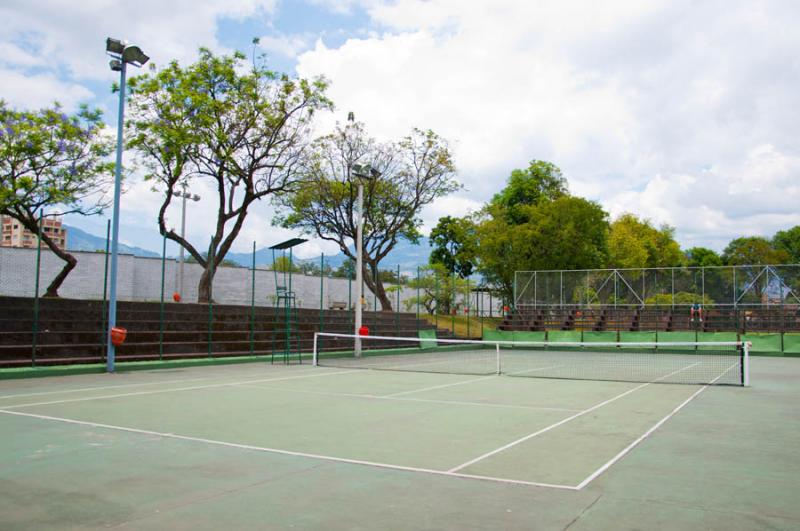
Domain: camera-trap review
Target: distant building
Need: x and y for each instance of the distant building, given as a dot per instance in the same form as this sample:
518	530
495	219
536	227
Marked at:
15	235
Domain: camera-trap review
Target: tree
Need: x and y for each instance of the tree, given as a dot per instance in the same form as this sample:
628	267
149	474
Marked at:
438	290
346	270
49	159
789	242
454	245
283	264
565	233
753	250
541	181
243	130
413	173
702	257
635	243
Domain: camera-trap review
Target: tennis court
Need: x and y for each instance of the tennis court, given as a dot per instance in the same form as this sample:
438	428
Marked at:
337	447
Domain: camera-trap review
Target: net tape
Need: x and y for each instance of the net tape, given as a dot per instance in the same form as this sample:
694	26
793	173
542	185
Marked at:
705	362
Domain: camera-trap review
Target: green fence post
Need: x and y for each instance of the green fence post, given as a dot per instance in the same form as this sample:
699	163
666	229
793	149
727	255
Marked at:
105	288
453	306
418	281
161	312
36	294
350	297
321	295
397	310
467	312
436	298
253	302
210	294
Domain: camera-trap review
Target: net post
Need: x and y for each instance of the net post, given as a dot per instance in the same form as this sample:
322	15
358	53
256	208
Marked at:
314	352
497	351
746	364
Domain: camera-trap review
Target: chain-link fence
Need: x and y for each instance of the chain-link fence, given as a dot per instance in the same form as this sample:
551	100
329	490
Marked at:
767	285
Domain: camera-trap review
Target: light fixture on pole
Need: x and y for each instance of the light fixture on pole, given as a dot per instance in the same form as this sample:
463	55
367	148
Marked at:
362	172
121	54
194	197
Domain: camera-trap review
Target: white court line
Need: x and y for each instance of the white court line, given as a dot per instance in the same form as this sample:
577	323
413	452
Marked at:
288	452
190	388
534	370
563	421
78	390
402	393
408	399
442	386
646	434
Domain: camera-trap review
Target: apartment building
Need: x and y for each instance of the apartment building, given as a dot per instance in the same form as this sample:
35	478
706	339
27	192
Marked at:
15	235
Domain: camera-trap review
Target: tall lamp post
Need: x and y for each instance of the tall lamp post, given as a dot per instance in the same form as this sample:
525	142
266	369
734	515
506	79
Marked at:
362	172
122	54
194	197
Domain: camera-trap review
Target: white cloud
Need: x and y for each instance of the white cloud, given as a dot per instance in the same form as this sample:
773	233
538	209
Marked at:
74	37
40	90
286	45
676	110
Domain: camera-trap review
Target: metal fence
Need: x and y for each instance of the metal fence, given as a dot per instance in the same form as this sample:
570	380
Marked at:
734	286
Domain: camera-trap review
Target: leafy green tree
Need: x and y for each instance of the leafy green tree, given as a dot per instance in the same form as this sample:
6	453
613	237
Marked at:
565	233
454	242
440	292
243	130
702	257
49	159
413	173
540	182
636	243
789	242
282	263
346	270
753	250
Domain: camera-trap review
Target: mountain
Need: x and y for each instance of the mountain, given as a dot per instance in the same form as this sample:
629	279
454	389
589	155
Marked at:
407	255
78	240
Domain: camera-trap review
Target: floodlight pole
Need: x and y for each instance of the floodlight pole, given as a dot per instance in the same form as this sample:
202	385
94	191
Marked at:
359	262
112	299
122	54
194	197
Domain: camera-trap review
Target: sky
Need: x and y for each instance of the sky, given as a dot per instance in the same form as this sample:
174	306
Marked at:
683	112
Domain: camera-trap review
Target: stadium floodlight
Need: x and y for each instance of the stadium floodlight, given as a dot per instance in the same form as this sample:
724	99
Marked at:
363	172
115	46
184	196
122	54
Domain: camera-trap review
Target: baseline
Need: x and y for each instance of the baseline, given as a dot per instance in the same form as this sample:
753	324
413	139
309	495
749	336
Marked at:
175	389
288	452
409	399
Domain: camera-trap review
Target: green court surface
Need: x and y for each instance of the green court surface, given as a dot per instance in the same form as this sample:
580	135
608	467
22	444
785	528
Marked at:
258	446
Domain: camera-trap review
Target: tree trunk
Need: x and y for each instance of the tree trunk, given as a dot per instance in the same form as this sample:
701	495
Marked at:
376	286
71	262
31	223
204	287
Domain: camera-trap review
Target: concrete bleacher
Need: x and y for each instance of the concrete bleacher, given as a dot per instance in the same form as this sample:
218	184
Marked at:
776	319
71	331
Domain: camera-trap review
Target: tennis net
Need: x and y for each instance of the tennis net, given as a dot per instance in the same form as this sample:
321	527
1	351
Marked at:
705	363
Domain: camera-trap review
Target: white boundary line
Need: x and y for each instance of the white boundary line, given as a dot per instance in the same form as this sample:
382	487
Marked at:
562	421
308	374
288	452
78	390
646	434
410	399
442	386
